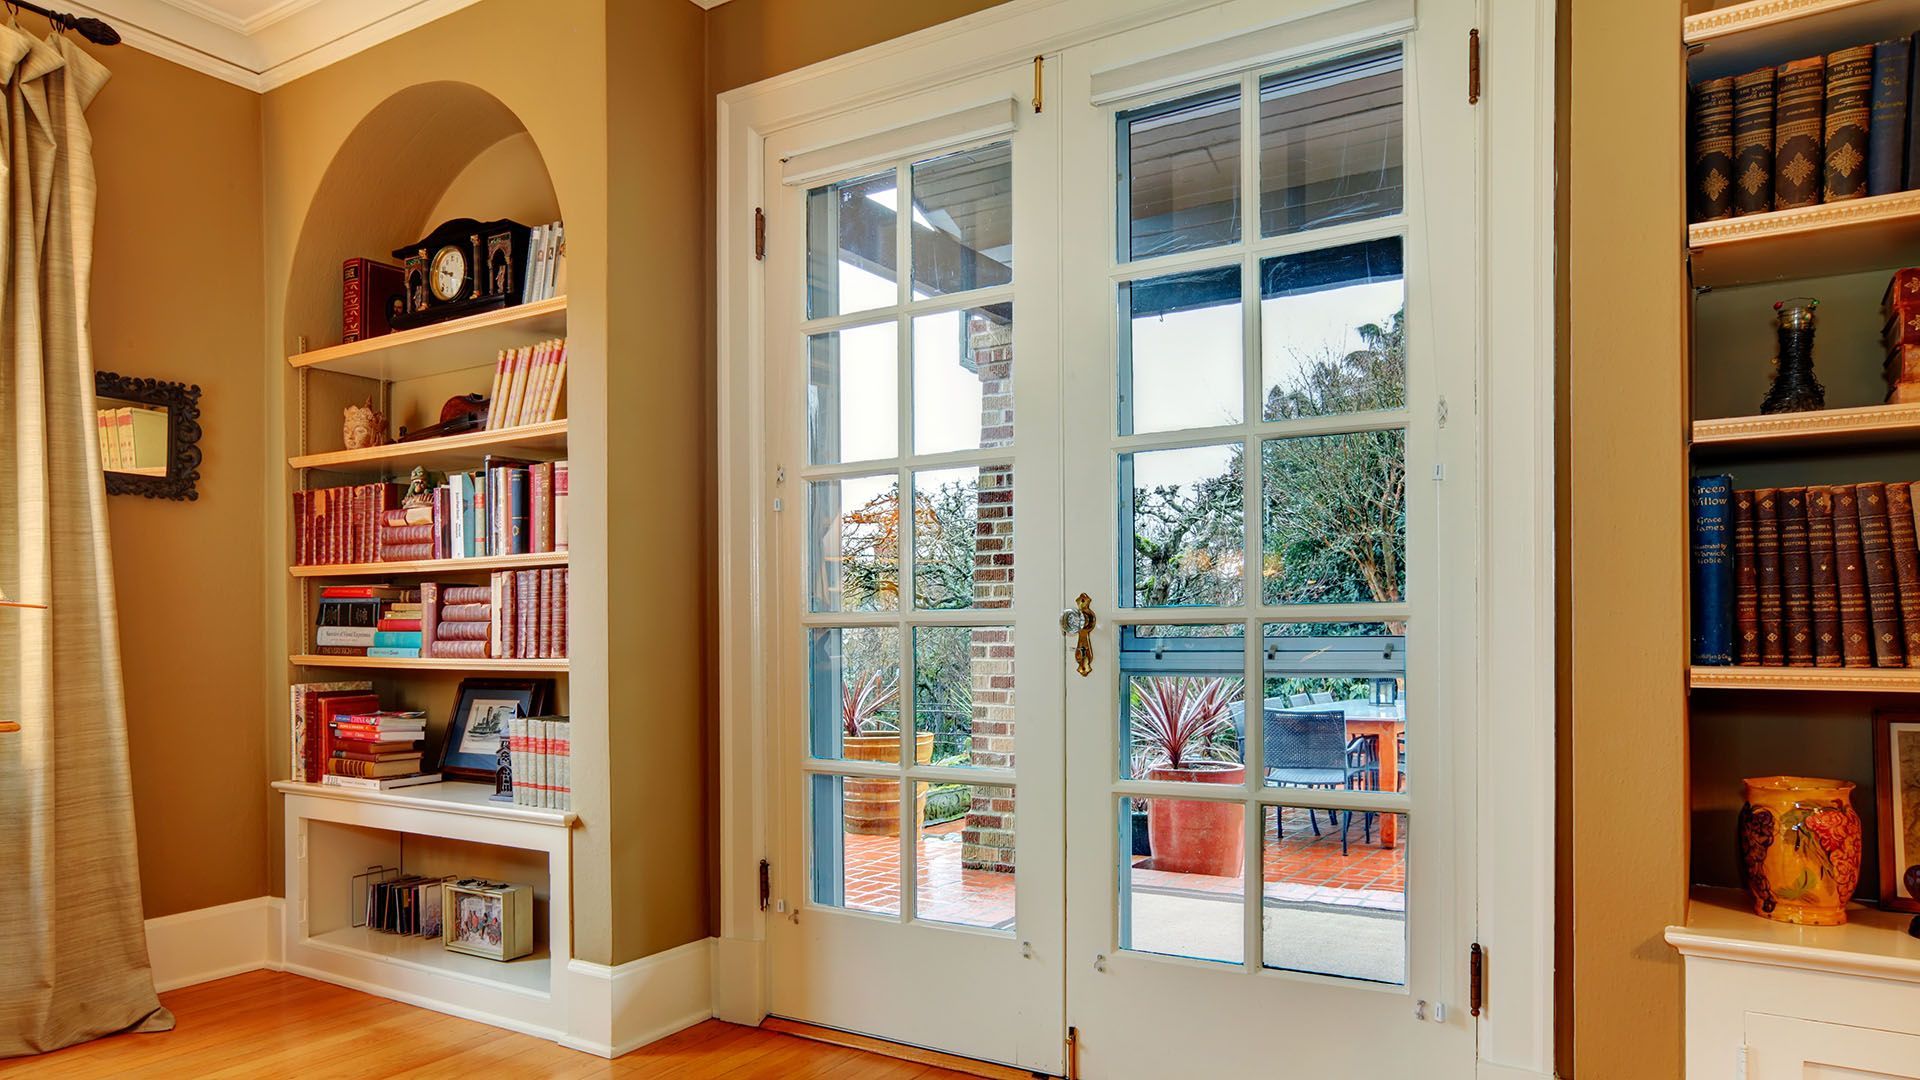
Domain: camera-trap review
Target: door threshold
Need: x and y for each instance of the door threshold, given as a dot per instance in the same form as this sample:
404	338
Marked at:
917	1054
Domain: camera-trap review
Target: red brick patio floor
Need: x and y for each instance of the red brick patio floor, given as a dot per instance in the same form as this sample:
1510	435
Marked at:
1302	868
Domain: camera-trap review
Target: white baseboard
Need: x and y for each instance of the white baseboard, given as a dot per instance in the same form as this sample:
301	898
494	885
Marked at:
614	1010
212	943
740	980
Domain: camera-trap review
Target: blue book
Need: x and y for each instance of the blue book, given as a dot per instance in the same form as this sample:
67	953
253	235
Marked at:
1887	129
396	639
394	653
519	529
1712	570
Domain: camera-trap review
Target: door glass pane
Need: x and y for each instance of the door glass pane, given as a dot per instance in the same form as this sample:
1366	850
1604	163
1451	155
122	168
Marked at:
1336	706
853	401
963	694
1182	531
964	856
963	537
853	693
1330	143
963	221
1181	351
963	380
1335	518
1182	689
851	252
1332	331
1334	893
1182	175
1182	881
855	841
853	532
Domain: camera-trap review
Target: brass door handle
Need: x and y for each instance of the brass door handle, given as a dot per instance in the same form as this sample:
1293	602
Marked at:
1080	620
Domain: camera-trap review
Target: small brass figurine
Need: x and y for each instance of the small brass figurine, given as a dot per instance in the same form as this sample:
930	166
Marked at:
1794	387
418	493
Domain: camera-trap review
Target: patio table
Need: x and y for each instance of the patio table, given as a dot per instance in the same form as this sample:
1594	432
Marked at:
1385	723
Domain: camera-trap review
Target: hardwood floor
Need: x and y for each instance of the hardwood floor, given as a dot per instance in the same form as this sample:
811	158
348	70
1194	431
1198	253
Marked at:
269	1024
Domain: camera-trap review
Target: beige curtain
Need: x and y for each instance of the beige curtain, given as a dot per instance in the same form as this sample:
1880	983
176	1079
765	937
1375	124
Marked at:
73	948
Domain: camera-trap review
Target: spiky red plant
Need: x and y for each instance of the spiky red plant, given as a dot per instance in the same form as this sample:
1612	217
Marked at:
1179	720
860	701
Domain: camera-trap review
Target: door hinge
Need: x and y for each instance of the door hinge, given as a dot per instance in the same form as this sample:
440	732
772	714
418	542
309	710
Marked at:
1039	68
1476	978
1073	1053
1473	66
766	883
759	233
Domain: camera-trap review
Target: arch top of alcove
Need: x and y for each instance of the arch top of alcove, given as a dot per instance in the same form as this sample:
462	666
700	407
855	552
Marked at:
386	177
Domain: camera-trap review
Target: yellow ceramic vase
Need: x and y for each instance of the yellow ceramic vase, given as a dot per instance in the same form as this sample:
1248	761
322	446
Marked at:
1800	844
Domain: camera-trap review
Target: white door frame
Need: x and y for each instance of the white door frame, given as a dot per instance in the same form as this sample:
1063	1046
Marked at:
1516	745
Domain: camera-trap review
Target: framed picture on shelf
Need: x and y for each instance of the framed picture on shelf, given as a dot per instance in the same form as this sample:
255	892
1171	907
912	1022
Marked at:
1896	766
480	713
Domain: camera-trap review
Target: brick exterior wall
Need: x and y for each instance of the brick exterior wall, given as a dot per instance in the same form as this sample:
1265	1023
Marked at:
987	840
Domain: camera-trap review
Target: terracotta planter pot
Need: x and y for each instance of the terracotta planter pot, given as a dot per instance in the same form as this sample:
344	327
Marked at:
1190	836
872	807
1800	846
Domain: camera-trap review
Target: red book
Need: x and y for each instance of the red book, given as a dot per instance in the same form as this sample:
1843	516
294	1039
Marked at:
1903	325
442	513
367	291
398	624
540	494
1905	287
323	709
429	616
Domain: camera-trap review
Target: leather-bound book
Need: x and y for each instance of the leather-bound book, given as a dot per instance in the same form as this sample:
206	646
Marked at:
1746	583
1766	547
1713	149
1850	576
1849	110
1713	570
1826	592
1903	365
1799	99
1883	591
367	291
1796	575
1906	568
1753	142
1887	131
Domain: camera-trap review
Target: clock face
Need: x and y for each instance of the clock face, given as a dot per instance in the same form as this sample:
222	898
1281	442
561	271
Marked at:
448	272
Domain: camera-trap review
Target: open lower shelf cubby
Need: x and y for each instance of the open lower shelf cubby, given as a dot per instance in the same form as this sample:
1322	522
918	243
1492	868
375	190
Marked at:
333	835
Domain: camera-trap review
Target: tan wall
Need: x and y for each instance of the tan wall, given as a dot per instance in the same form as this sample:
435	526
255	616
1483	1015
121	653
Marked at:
177	296
750	40
1624	800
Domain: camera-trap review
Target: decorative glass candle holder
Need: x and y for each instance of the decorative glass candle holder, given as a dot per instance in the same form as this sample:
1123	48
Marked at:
1794	387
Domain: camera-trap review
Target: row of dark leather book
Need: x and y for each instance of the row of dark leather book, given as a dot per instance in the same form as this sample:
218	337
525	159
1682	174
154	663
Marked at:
1820	576
1820	129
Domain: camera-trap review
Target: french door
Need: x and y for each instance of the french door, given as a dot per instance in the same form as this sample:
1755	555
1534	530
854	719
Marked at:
1160	330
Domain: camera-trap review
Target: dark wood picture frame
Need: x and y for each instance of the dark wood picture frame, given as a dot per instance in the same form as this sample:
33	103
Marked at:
539	698
1889	806
182	403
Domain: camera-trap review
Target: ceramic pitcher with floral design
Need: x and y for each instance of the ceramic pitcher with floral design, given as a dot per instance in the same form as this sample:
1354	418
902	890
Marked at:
1800	846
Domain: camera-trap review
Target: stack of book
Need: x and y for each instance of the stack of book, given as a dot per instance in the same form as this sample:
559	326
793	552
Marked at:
1900	306
527	384
410	534
1816	130
340	525
458	620
1806	576
541	753
315	705
368	620
377	750
546	263
518	614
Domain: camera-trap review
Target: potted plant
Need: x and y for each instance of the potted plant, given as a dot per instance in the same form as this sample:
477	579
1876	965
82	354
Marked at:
871	807
1183	732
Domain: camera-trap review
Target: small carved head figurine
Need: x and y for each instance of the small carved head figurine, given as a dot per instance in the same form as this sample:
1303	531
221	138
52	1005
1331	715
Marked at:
418	493
364	426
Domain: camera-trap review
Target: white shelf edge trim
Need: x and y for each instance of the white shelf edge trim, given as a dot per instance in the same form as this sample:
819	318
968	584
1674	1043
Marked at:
400	798
1700	943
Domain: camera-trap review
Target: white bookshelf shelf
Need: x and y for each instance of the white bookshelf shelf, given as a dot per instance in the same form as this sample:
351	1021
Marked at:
447	453
1810	241
454	345
1721	924
431	566
1854	680
423	663
1740	37
1867	425
454	797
